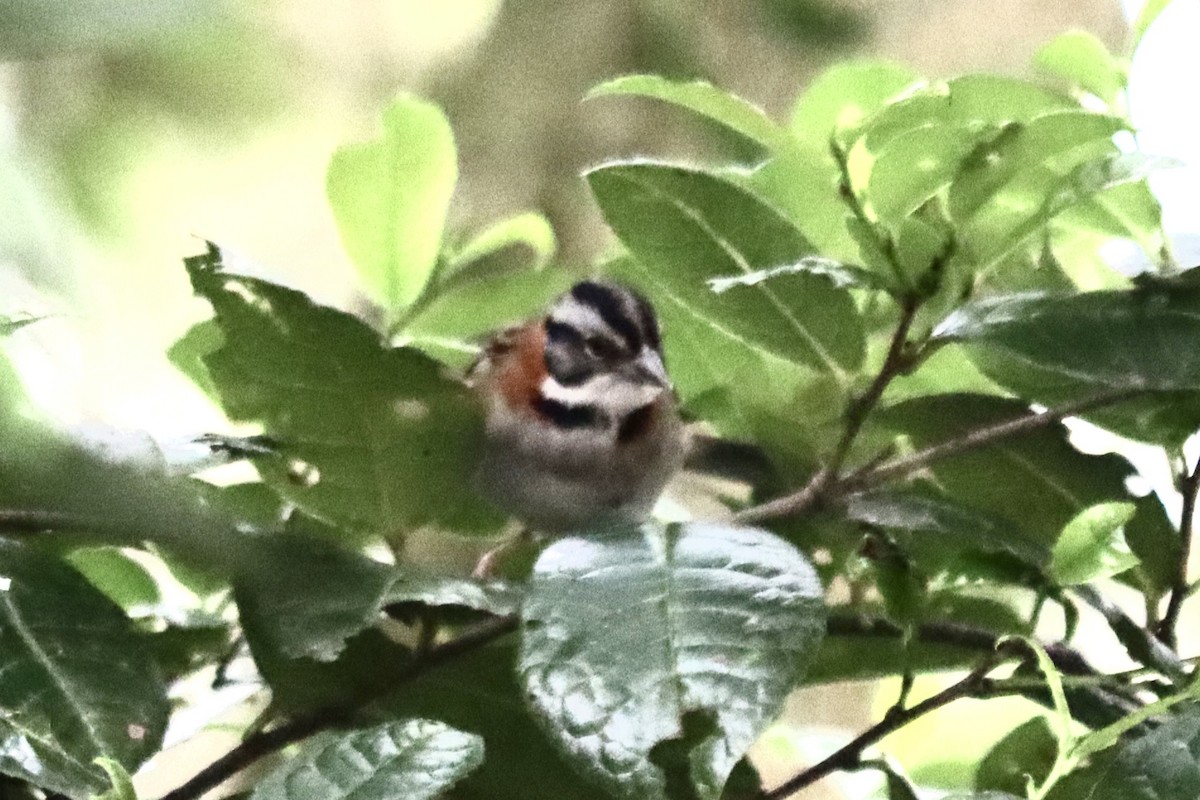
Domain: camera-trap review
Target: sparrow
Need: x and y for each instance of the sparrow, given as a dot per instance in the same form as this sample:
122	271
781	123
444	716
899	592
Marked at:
582	425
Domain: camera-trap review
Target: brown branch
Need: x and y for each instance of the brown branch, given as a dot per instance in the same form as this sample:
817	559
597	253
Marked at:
831	488
264	743
850	755
895	363
35	520
1189	486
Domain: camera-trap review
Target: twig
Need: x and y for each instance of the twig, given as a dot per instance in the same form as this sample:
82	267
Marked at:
1189	486
813	495
850	755
1142	646
895	363
266	742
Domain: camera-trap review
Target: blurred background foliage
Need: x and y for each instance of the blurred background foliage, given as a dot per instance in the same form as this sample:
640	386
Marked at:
132	129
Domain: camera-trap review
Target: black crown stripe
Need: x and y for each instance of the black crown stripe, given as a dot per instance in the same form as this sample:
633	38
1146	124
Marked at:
606	301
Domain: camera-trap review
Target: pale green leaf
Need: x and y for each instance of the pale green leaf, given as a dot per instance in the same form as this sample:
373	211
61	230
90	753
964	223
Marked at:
390	196
1092	545
844	96
530	231
701	97
1080	58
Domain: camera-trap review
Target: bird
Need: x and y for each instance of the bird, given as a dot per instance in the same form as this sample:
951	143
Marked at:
581	422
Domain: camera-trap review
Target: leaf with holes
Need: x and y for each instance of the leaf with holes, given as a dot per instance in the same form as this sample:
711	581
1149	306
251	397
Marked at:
686	226
79	682
414	759
373	439
638	641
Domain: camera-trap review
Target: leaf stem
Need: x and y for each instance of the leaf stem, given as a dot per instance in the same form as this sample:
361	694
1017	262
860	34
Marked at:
850	755
1189	487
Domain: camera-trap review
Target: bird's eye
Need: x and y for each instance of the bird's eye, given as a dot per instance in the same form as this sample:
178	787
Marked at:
602	348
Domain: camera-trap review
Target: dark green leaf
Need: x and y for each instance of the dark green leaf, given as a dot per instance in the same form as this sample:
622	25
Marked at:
686	226
479	692
343	593
79	683
1155	542
1026	753
1081	59
1138	339
956	525
842	275
374	439
701	97
122	784
1162	763
1035	479
390	197
414	759
1092	545
625	633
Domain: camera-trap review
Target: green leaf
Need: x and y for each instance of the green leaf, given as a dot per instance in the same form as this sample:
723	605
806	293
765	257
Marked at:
413	759
956	525
124	580
344	593
122	784
802	182
479	692
1159	764
374	439
1081	59
79	682
687	226
1036	479
914	166
1025	161
189	351
844	276
1151	9
1028	751
628	632
1155	543
390	196
1092	545
453	323
530	231
1138	339
10	325
701	97
844	95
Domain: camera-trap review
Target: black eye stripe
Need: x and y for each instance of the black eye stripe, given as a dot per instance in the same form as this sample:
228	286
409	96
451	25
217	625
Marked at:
561	333
606	301
565	416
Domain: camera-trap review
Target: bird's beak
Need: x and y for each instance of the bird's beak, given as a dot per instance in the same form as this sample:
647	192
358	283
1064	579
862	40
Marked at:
648	368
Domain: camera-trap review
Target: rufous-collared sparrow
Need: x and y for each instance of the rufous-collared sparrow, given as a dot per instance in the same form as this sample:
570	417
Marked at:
582	425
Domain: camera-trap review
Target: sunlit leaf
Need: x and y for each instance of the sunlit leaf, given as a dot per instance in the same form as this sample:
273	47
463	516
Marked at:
1092	545
414	759
640	636
845	95
704	99
389	198
1080	58
530	231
